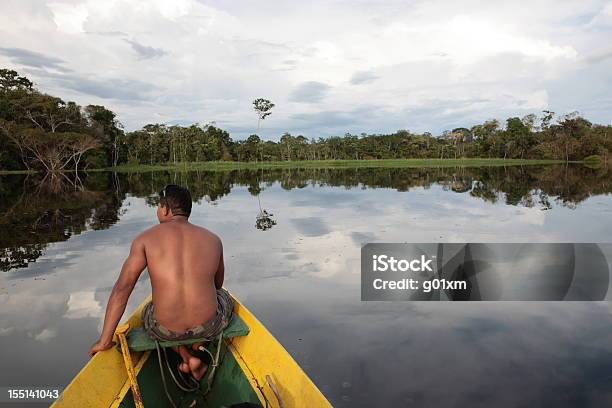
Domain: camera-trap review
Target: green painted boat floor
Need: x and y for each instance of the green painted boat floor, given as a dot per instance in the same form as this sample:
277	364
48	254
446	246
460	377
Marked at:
230	385
138	340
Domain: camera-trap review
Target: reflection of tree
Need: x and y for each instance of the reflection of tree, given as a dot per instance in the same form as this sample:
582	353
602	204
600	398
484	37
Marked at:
533	186
514	185
264	220
481	191
460	183
37	211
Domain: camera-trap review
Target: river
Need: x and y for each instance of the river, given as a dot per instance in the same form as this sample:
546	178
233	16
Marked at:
292	240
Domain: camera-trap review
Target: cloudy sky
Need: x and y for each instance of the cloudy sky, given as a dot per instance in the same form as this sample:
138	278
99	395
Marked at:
329	66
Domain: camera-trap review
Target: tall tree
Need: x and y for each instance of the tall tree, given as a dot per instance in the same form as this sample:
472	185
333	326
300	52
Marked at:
107	129
11	81
50	113
263	108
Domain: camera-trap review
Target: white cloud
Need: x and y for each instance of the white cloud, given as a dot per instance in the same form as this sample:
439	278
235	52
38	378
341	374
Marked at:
604	17
362	77
422	65
310	92
69	18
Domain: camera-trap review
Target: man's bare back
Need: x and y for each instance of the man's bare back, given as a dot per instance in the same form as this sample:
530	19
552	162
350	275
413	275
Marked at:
185	263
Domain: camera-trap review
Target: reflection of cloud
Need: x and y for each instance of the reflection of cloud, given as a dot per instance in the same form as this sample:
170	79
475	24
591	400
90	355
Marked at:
302	280
5	331
31	313
311	226
327	198
45	335
476	353
83	304
362	238
322	228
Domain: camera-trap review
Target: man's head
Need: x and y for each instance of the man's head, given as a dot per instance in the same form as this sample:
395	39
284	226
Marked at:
173	201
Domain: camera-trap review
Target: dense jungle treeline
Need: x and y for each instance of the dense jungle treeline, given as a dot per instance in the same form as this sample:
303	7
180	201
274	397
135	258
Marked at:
40	131
37	210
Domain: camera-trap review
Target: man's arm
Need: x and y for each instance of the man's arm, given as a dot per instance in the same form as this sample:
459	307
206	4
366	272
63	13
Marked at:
220	275
131	270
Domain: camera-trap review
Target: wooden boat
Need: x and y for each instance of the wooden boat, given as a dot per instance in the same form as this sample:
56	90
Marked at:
253	368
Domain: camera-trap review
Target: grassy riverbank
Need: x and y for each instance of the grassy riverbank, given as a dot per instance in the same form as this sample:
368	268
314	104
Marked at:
394	163
391	163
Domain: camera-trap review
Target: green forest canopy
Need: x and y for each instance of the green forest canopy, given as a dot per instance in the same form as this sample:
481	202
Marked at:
40	131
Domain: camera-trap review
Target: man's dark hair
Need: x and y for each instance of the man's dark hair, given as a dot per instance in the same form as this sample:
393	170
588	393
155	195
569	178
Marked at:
177	198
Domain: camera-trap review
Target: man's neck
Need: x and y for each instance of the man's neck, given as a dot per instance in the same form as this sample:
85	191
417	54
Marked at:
178	218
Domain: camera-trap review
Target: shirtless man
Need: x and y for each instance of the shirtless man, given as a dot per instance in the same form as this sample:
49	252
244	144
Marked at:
185	263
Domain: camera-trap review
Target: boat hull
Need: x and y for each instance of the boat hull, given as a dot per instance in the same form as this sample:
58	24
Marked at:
255	368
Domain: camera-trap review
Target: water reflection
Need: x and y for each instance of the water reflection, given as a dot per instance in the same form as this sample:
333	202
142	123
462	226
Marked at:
37	211
53	208
62	249
264	220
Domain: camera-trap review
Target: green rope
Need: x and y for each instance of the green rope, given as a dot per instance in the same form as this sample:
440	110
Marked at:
163	376
189	385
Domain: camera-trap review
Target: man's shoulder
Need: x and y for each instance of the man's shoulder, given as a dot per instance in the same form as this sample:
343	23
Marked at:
208	233
149	232
152	233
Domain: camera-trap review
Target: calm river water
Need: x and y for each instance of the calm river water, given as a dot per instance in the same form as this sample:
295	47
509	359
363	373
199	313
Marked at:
62	243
